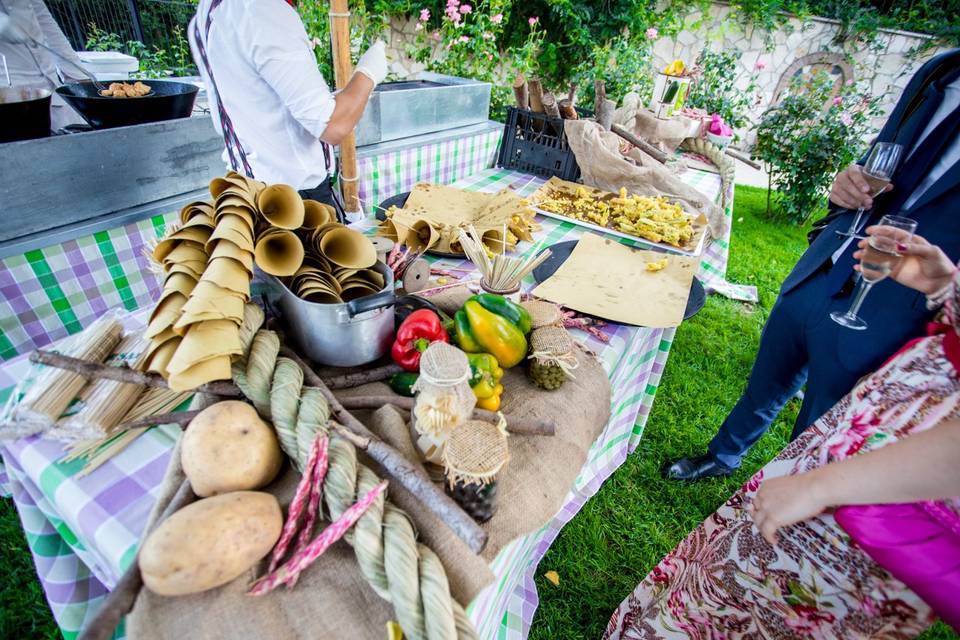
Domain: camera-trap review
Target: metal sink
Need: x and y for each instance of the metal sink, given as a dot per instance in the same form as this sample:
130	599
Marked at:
427	103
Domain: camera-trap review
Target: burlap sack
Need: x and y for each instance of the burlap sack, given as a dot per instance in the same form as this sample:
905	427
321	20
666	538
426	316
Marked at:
604	167
332	600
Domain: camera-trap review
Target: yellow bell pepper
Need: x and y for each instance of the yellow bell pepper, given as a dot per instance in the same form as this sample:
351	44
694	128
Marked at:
494	325
485	380
675	68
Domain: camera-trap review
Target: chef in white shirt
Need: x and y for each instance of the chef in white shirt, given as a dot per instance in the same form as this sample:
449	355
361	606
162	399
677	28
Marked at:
277	114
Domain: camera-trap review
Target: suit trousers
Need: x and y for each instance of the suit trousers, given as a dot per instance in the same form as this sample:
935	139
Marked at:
802	344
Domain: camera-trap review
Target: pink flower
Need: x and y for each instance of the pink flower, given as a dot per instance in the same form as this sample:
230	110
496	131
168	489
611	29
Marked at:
533	20
837	101
419	27
463	39
497	19
454	15
424	15
489	55
846	119
314	43
652	33
453	4
760	65
465	9
849	82
435	35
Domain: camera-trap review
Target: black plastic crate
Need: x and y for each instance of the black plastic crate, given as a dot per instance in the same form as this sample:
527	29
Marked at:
534	143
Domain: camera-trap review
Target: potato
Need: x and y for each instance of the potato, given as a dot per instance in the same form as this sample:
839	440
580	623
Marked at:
227	447
210	542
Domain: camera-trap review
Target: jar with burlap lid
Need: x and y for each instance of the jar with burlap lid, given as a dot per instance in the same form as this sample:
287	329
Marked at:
472	457
444	399
543	313
552	358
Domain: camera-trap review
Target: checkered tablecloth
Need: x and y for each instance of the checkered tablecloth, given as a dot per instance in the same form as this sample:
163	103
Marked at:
84	531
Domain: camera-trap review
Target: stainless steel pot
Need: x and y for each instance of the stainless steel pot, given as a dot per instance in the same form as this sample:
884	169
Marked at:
340	335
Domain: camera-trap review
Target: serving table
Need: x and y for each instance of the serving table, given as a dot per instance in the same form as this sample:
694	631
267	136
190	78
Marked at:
83	532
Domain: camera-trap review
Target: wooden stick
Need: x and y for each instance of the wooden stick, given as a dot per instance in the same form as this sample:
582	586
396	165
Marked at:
515	425
599	95
181	418
358	378
742	157
414	479
605	114
220	388
643	145
124	594
567	110
549	102
520	92
342	72
535	90
572	94
124	374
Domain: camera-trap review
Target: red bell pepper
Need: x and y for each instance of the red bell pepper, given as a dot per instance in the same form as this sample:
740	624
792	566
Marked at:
421	329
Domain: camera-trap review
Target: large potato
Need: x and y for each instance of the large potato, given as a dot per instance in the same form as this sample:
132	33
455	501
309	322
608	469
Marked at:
227	447
210	542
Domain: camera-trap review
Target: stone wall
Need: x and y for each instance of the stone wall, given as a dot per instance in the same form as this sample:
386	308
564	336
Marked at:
885	67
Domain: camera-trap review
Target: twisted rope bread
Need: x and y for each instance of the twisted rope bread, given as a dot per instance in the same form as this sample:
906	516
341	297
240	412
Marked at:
401	570
716	155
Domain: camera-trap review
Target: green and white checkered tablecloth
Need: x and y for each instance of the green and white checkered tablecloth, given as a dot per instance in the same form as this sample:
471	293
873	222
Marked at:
84	531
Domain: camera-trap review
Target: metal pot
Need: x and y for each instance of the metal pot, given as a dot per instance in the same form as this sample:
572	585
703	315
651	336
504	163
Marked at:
340	335
24	113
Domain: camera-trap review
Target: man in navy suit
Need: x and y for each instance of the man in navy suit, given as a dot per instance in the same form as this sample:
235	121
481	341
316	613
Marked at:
800	343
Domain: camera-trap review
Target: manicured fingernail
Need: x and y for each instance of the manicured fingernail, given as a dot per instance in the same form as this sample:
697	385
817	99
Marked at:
901	246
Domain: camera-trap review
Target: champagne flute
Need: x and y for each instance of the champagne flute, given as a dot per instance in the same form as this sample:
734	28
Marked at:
881	163
880	256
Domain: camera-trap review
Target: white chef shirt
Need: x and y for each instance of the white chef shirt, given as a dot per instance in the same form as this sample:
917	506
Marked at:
270	85
950	156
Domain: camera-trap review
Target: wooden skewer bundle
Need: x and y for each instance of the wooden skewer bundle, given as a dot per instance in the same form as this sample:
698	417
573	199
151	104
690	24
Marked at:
499	272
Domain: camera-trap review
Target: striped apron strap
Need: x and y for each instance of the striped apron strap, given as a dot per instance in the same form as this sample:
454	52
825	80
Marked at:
234	148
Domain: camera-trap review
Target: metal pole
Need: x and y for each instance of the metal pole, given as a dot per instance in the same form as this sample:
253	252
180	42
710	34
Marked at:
343	69
135	20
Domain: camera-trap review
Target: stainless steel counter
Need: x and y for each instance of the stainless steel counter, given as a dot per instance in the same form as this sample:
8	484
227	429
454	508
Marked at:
58	188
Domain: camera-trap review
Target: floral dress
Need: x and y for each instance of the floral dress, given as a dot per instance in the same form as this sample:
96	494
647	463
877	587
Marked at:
725	581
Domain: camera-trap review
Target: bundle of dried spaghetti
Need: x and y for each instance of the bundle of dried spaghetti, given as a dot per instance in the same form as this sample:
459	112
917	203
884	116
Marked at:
153	401
54	389
103	404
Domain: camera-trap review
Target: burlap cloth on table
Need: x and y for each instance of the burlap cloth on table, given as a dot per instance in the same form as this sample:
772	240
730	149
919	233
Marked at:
332	599
604	167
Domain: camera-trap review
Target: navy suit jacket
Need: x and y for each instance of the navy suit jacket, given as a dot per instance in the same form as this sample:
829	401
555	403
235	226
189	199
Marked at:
902	311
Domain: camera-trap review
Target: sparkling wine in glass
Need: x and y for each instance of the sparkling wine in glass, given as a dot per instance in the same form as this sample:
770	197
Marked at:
881	163
880	256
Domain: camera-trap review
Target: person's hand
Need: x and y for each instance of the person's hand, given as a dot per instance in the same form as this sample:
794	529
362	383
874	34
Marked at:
781	502
924	266
850	189
373	62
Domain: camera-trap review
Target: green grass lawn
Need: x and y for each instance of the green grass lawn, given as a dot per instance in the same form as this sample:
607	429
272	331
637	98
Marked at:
637	517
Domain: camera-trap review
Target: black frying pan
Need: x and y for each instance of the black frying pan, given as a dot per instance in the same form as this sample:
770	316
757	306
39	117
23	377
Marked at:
166	101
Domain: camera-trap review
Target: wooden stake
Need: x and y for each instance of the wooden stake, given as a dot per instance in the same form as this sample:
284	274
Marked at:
536	95
599	95
520	92
549	103
605	114
124	374
357	378
124	594
413	478
516	426
567	110
342	72
643	145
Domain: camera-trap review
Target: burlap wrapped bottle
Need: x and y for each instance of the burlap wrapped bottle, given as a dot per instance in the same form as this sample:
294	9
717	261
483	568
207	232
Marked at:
473	455
543	313
552	358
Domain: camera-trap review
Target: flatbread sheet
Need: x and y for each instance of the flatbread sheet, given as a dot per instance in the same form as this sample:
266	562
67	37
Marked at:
610	280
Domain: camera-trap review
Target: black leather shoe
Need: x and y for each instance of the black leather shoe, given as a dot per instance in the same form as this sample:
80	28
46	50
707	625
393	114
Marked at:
696	468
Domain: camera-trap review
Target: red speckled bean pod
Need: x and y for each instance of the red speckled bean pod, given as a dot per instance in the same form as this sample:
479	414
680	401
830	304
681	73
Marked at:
300	498
316	496
300	561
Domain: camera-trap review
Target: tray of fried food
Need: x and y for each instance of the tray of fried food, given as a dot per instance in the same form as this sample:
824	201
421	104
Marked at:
654	220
